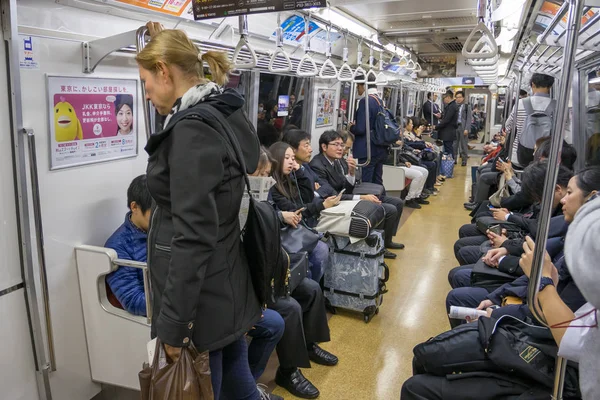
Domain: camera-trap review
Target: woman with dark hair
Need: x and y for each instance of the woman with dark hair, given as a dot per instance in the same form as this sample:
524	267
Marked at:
293	192
124	114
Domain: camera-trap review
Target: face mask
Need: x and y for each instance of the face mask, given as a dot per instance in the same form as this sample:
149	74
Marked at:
582	250
260	109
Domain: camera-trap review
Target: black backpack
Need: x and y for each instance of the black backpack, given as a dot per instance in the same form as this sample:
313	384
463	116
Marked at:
268	262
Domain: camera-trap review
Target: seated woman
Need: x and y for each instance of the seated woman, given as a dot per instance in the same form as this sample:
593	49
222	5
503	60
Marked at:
412	138
293	193
580	188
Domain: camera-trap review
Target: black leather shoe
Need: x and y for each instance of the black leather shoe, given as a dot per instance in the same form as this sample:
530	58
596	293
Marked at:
471	207
394	246
425	195
421	201
411	204
388	254
297	384
463	163
322	357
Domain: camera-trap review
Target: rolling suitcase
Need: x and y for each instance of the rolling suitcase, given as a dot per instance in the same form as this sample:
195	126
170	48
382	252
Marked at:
356	276
351	219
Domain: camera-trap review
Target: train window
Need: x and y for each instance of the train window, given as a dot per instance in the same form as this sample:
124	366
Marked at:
281	100
592	129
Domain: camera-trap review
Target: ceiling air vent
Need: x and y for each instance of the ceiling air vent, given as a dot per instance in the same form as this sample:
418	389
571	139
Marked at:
452	45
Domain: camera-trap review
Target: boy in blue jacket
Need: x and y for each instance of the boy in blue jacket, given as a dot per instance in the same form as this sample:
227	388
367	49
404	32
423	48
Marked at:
129	241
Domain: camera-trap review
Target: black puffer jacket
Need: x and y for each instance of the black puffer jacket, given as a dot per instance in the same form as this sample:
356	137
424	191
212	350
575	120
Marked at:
201	284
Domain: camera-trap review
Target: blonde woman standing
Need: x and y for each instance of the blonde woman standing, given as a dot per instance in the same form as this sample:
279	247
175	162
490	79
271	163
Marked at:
201	286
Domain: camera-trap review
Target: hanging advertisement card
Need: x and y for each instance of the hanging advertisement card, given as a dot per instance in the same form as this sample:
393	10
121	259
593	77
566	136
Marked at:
283	106
325	102
91	120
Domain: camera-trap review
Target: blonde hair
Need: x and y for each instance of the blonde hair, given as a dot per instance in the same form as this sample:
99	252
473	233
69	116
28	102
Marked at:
173	48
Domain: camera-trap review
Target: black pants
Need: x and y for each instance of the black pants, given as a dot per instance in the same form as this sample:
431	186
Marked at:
305	322
432	168
470	386
393	211
468	235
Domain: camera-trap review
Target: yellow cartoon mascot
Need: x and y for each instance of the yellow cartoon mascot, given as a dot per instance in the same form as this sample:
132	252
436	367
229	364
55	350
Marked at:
66	124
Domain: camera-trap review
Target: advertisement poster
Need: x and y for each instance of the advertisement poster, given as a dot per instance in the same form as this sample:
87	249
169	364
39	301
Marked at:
410	104
293	31
169	7
91	120
283	106
205	9
325	102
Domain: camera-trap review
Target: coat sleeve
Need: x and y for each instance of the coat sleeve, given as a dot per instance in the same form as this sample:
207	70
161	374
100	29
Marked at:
448	117
196	172
469	118
360	128
284	204
517	288
126	283
510	265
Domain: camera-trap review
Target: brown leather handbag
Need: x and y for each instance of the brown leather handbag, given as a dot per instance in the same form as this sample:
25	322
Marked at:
188	378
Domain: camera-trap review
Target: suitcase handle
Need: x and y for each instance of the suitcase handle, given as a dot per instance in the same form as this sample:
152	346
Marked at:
386	273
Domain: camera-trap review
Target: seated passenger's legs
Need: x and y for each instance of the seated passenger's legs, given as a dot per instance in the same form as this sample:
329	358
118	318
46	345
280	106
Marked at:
265	335
495	386
418	176
317	260
460	276
467	241
230	372
393	211
486	180
468	230
469	255
464	297
432	173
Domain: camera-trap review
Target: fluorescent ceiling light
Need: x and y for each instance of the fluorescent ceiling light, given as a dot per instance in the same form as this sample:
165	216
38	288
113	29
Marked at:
594	80
508	9
341	20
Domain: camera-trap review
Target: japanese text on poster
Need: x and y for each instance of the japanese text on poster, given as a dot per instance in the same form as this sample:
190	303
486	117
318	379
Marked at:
91	120
205	9
169	7
28	58
325	107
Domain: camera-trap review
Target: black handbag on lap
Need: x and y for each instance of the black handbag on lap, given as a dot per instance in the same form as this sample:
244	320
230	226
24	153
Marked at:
296	240
298	270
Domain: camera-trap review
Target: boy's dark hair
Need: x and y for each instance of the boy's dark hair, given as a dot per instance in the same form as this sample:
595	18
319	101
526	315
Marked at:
138	192
568	155
328	137
522	92
542	81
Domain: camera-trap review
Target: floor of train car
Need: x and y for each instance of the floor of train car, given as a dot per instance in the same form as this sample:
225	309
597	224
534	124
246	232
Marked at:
375	358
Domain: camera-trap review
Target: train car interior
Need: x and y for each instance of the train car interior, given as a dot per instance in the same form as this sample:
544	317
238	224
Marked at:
449	151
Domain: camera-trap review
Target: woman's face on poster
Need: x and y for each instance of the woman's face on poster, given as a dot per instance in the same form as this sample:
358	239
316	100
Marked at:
125	118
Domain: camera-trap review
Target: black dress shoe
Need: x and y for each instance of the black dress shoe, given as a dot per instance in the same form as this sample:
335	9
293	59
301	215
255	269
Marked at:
322	357
394	246
421	200
411	204
424	195
296	384
388	254
463	164
471	206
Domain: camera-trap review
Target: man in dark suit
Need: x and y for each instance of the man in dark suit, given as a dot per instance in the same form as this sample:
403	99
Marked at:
465	115
447	126
340	174
431	111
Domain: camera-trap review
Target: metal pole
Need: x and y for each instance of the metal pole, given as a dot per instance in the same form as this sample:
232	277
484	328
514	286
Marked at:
513	132
573	26
11	36
37	218
140	44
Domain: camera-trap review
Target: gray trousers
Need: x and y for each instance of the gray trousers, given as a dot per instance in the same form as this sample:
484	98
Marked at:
461	143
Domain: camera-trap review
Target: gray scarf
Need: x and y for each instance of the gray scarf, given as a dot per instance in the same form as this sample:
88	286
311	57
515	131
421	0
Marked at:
193	96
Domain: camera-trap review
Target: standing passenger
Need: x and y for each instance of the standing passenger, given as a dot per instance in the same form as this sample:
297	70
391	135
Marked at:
202	290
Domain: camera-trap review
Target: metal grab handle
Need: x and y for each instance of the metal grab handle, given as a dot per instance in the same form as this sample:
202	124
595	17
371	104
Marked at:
147	285
559	15
307	59
359	72
410	66
37	215
489	38
140	36
279	50
328	69
345	73
243	43
418	67
371	73
381	79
